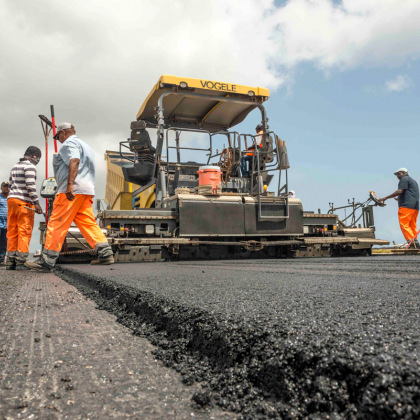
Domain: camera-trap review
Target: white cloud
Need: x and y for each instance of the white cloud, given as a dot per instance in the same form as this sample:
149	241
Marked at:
353	33
398	84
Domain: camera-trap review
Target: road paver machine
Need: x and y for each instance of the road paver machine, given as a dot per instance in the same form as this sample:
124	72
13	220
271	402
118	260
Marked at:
205	190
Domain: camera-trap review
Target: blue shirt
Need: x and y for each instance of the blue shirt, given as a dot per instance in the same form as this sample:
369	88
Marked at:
74	148
3	211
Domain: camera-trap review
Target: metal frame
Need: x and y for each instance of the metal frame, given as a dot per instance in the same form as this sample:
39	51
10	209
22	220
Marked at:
256	154
276	165
366	213
161	118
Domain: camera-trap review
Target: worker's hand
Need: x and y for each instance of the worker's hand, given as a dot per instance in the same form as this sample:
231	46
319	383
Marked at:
382	200
69	193
38	209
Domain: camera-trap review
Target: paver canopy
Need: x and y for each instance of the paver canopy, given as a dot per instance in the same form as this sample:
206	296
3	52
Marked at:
201	112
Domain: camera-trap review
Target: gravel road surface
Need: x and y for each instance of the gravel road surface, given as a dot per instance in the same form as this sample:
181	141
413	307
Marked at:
313	338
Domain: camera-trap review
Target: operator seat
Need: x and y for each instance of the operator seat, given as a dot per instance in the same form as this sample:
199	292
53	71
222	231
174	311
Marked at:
266	155
267	152
140	142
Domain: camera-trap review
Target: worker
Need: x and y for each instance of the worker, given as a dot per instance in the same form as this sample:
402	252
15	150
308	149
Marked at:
21	203
74	171
408	203
3	220
292	194
246	161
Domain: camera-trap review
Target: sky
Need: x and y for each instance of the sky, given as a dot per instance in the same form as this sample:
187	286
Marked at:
343	79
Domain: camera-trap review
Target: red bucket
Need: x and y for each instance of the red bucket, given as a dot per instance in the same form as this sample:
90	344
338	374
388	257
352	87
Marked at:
210	175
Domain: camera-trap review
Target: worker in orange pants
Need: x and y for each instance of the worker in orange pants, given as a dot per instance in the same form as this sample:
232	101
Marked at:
20	222
74	170
408	222
63	214
408	203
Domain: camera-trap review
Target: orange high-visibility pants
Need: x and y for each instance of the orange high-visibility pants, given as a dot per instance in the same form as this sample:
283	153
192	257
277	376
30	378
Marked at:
20	222
408	222
64	213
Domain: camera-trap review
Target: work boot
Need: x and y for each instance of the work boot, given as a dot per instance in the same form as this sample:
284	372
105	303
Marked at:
10	264
38	265
103	261
20	266
413	244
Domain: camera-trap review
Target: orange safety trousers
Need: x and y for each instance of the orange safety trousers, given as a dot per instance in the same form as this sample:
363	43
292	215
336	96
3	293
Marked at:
64	213
20	222
408	222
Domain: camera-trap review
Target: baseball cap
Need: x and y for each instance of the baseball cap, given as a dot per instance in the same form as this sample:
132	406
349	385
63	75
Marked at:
61	127
401	170
5	183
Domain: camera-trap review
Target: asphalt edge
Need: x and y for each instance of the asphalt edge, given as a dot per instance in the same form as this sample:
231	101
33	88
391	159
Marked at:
193	342
240	370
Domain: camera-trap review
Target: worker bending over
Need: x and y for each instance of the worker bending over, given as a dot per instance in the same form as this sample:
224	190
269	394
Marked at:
21	202
408	203
74	171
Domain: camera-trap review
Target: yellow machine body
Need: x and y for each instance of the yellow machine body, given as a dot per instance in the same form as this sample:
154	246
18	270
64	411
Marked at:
118	191
146	198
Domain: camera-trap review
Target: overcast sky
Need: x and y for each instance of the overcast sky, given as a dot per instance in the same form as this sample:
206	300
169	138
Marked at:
343	76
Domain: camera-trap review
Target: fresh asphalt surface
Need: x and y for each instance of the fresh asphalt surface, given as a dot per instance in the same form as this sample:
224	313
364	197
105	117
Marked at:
278	338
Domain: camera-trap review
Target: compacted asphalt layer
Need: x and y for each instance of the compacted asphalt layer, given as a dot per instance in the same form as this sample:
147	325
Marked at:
304	338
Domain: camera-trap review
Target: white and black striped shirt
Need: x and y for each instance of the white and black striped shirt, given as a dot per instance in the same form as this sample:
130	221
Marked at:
22	182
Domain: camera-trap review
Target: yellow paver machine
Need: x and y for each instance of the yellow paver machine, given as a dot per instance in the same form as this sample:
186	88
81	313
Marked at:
204	190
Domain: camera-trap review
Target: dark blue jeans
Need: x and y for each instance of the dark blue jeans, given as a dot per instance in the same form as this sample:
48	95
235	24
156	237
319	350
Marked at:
3	243
246	162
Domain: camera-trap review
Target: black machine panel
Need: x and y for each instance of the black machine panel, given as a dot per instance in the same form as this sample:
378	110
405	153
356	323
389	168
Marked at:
293	225
236	219
219	218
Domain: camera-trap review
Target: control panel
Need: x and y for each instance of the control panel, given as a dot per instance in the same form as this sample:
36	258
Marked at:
49	188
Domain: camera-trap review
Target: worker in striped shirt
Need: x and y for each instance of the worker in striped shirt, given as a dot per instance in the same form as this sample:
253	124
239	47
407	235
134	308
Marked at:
20	219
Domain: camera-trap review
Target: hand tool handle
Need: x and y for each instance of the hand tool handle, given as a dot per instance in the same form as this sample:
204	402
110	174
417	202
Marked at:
30	208
53	127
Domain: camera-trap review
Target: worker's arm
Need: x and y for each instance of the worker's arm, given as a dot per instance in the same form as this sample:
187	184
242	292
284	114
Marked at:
394	194
73	169
30	181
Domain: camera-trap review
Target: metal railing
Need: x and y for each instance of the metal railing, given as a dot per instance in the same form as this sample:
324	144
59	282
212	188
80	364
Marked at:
256	173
